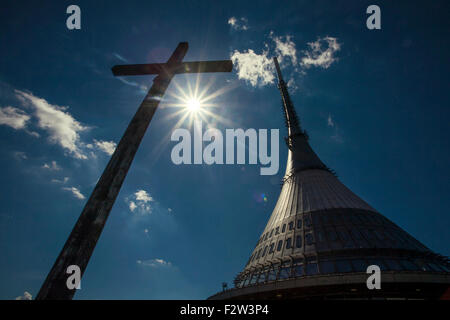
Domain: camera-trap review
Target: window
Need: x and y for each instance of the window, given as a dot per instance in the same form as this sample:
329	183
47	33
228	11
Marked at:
291	225
254	278
280	245
277	231
271	247
259	254
299	270
355	233
393	264
284	273
299	223
247	279
316	220
359	265
284	228
298	242
262	277
332	234
409	265
264	252
307	221
423	266
377	262
343	266
272	275
320	236
309	239
271	232
327	267
311	269
288	243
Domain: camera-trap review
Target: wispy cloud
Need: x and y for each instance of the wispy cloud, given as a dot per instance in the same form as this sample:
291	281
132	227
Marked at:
285	47
52	166
13	117
63	181
118	56
140	202
61	126
20	155
154	263
76	193
238	23
321	53
141	87
26	296
330	121
337	134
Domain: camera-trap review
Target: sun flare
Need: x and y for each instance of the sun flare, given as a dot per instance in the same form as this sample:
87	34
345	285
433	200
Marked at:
193	105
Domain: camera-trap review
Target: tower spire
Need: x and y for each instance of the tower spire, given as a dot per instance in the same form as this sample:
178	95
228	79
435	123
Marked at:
301	156
292	122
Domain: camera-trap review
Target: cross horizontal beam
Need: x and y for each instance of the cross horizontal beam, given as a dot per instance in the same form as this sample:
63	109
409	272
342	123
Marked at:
174	68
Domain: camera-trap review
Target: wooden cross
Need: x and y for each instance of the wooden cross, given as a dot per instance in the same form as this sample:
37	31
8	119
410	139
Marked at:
86	232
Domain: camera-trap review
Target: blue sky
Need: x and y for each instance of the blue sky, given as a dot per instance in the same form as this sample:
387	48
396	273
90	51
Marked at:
376	109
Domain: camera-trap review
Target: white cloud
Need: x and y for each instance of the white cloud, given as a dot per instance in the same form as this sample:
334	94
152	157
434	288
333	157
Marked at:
140	202
142	195
132	206
155	263
321	53
63	129
169	209
106	146
285	48
76	193
63	181
13	117
26	296
330	121
257	69
52	166
238	24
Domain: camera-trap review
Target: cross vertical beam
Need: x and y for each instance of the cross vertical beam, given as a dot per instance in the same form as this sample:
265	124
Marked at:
86	232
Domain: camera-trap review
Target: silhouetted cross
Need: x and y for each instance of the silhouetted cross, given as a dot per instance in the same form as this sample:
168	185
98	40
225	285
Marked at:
81	242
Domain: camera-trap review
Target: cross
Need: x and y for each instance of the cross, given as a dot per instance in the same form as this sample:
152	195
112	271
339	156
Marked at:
86	232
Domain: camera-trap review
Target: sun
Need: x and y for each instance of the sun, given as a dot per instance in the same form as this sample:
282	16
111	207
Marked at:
193	104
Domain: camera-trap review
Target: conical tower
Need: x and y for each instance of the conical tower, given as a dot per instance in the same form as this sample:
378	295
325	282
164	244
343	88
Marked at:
321	237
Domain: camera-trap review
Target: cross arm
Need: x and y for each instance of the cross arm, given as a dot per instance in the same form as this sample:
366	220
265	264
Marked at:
174	68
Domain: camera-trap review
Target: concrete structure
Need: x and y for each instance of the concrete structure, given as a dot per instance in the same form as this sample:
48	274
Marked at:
321	238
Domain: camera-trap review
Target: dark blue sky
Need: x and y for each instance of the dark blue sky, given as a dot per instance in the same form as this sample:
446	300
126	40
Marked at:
378	115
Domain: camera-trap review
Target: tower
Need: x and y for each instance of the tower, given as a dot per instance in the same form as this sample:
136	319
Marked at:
321	237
